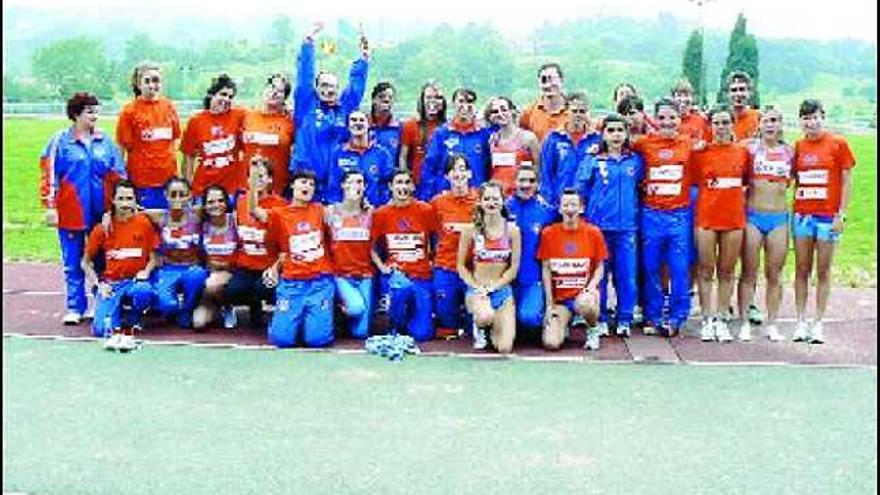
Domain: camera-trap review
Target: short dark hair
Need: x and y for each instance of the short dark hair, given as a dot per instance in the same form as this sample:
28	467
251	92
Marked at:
468	92
177	180
810	106
218	83
278	75
78	103
401	171
452	159
215	187
664	101
617	88
378	88
568	191
719	108
120	184
576	95
739	75
551	65
611	118
303	174
630	103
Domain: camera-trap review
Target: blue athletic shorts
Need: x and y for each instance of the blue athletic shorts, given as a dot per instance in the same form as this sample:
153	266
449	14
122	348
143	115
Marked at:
767	221
816	226
498	297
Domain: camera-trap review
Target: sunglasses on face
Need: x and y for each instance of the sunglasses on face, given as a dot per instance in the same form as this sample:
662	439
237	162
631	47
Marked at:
739	89
546	78
496	111
529	180
580	111
154	80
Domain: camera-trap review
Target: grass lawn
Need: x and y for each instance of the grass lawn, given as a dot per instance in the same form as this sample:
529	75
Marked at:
26	237
184	420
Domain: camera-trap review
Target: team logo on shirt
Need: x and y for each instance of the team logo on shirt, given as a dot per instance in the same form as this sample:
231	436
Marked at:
666	154
451	142
569	247
374	169
810	159
478	148
217	131
631	171
404	225
303	226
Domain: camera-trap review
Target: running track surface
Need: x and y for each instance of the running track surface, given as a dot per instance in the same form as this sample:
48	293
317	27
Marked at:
33	304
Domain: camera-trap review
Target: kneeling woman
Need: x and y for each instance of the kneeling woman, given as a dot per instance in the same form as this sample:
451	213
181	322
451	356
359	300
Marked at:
219	240
492	247
129	246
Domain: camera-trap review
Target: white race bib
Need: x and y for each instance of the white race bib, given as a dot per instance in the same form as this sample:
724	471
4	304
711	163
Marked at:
725	183
219	146
407	247
811	193
569	266
220	248
124	253
503	159
157	134
306	247
261	138
351	234
776	168
666	172
660	189
813	177
251	234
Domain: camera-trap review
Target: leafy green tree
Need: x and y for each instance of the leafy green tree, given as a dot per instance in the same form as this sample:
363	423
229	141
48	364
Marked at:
742	54
75	64
692	65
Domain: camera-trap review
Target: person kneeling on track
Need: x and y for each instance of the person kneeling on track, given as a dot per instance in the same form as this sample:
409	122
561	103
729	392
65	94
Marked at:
219	240
129	248
571	252
304	297
492	248
401	237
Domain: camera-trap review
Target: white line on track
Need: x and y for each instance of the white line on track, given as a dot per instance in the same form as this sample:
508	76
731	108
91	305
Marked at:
483	357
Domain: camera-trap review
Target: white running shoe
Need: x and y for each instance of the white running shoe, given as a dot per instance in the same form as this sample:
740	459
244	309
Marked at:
202	316
773	334
722	333
801	331
480	341
602	328
90	312
707	331
230	319
624	330
726	316
111	343
745	331
126	343
754	315
638	317
592	343
815	333
71	318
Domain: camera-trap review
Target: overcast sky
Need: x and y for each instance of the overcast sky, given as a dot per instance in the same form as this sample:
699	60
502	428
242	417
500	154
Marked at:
767	18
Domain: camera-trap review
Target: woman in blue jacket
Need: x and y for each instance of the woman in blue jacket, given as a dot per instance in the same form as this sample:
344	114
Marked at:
320	113
608	181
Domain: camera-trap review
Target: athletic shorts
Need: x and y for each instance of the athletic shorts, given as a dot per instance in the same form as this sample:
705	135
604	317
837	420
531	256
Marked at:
498	297
815	226
767	221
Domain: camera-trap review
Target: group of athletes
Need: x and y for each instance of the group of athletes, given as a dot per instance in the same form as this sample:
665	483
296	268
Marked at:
489	226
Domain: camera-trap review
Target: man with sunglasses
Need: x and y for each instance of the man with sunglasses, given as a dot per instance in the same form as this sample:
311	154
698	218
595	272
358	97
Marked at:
147	131
550	110
320	113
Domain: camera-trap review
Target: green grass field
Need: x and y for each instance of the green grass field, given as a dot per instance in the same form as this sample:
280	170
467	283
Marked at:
184	420
26	237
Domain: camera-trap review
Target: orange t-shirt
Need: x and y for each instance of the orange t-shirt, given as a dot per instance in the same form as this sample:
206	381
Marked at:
298	231
506	159
745	124
818	169
269	134
215	140
667	179
350	243
411	136
126	248
721	171
453	215
695	125
538	120
146	129
573	255
254	252
405	233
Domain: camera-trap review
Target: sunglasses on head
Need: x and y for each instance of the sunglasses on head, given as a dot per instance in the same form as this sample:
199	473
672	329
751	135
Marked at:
153	79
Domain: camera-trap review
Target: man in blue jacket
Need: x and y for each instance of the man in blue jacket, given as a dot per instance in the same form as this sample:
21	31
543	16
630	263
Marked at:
531	214
320	114
609	181
363	154
565	148
462	135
